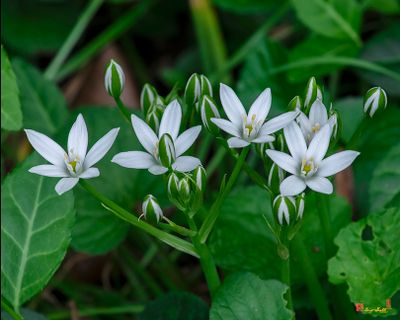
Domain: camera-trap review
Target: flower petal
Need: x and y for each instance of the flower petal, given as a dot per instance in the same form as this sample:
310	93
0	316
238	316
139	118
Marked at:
65	184
319	144
144	133
157	169
261	106
232	105
318	113
186	163
49	170
171	120
295	141
227	126
186	139
100	148
337	162
134	160
46	147
263	139
278	122
78	138
284	161
320	184
90	173
292	186
305	125
235	142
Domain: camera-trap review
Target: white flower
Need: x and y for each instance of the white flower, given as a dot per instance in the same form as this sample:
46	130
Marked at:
76	163
307	164
175	145
318	117
249	128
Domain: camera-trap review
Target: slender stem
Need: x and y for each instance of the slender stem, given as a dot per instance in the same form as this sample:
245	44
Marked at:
286	276
124	110
10	311
314	287
123	214
130	309
72	39
214	212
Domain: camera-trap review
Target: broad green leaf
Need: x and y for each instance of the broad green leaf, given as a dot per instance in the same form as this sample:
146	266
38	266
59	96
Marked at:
368	259
246	6
244	296
254	247
176	306
385	182
11	115
351	114
35	232
26	313
385	6
43	105
338	19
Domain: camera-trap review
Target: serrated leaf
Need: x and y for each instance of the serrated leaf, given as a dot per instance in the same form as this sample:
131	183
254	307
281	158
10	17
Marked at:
43	105
370	267
35	232
11	115
244	296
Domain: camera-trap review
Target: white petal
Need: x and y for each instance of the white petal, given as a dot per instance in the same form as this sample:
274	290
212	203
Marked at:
186	163
90	173
304	123
320	184
337	162
46	147
292	186
157	169
49	170
261	106
284	161
186	139
232	105
171	120
227	126
65	184
134	160
235	142
78	138
144	133
263	139
100	148
319	144
295	141
318	113
278	122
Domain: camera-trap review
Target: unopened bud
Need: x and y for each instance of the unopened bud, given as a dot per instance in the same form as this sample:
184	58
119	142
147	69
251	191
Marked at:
295	104
208	110
148	97
184	190
114	79
205	86
166	150
300	204
275	177
151	209
154	115
197	86
284	209
311	94
375	99
334	122
200	177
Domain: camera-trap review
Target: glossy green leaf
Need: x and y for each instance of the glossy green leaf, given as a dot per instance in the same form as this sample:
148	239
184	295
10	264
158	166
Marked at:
11	115
368	259
35	232
176	306
244	296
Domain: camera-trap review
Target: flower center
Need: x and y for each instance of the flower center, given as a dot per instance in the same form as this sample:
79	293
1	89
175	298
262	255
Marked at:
316	128
308	167
250	128
73	163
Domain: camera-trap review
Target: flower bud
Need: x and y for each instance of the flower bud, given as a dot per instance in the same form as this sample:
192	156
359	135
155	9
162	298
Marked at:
374	99
148	97
173	185
166	150
154	115
209	110
311	94
300	203
200	177
184	190
284	209
295	104
275	177
205	86
335	123
151	209
192	89
114	79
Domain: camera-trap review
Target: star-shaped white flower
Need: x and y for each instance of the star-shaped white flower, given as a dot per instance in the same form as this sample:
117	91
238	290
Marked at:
74	164
249	128
175	146
307	164
317	118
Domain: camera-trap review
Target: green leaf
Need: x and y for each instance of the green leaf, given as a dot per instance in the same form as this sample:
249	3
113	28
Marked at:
338	19
246	6
35	232
11	115
385	6
176	306
43	105
254	247
26	313
368	259
351	114
245	296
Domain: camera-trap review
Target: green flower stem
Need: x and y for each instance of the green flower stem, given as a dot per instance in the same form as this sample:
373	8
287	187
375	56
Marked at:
124	110
13	314
72	39
172	226
286	275
129	309
314	287
214	211
206	259
121	213
115	30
